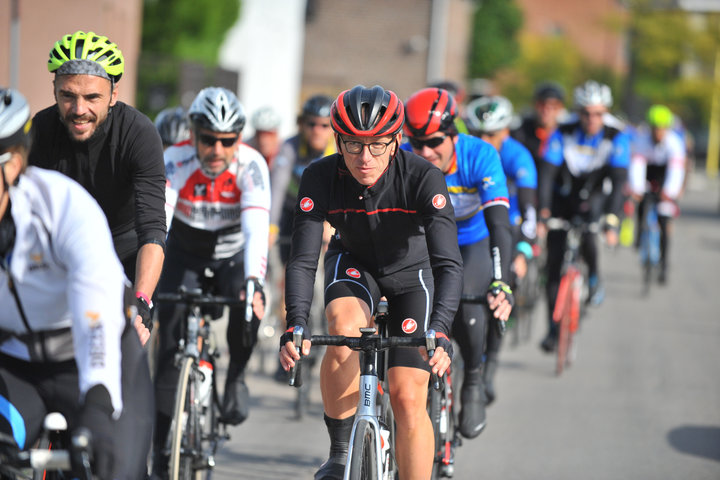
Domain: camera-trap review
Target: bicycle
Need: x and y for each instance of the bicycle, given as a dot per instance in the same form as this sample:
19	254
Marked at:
371	453
49	460
569	300
196	430
649	240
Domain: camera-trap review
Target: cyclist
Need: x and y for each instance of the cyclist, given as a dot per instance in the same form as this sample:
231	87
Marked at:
658	161
478	192
580	156
490	119
395	238
173	126
111	149
266	140
221	190
314	140
535	130
65	343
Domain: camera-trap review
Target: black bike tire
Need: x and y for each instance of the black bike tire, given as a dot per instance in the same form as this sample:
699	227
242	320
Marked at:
363	464
434	410
177	429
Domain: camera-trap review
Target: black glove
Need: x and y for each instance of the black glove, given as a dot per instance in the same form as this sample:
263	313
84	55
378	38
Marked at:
497	286
288	335
441	340
96	416
143	309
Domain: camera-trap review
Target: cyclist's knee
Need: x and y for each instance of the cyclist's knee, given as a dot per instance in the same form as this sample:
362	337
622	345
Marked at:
408	394
346	315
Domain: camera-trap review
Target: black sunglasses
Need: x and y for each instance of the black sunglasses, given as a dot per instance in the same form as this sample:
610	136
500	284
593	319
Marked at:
430	142
211	140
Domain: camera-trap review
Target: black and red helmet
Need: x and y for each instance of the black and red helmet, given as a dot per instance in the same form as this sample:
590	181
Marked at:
367	112
428	111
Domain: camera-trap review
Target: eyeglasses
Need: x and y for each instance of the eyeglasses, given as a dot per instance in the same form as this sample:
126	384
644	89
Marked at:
324	126
433	142
211	140
376	148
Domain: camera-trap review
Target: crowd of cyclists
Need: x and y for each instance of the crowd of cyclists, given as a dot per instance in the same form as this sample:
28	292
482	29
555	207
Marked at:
420	201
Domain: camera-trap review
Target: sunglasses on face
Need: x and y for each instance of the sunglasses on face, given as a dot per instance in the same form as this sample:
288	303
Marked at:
376	148
430	142
586	113
316	124
211	140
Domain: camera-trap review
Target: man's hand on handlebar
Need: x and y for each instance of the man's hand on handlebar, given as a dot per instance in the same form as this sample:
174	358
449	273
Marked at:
288	352
500	300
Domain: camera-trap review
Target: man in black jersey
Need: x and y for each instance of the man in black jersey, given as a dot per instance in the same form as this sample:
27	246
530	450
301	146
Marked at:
112	150
395	237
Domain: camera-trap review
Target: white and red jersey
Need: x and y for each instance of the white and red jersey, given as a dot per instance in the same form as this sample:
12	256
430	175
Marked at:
660	162
230	211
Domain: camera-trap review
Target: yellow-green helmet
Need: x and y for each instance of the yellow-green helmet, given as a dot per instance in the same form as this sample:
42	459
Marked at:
660	116
82	53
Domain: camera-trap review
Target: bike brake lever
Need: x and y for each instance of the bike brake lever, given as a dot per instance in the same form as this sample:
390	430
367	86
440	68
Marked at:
501	326
296	371
430	345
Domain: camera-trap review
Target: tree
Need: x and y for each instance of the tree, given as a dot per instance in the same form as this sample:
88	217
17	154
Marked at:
174	32
493	42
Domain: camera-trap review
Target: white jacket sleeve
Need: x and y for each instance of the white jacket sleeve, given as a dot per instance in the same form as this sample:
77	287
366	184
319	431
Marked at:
255	217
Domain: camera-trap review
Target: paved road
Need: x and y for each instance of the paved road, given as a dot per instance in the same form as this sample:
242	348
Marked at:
642	400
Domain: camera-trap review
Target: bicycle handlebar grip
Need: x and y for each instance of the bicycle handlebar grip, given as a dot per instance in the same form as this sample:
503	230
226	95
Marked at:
296	371
430	345
247	327
500	323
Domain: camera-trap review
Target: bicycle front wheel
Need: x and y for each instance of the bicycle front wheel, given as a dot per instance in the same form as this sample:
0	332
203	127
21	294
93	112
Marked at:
182	430
364	461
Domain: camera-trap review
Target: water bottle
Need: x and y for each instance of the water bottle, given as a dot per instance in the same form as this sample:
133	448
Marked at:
205	391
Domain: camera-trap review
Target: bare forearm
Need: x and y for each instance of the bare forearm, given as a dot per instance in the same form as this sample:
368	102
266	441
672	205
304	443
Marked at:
148	268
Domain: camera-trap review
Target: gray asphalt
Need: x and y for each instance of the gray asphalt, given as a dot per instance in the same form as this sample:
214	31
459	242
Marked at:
641	401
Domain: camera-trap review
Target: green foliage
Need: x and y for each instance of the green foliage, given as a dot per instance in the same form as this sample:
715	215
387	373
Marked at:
493	41
188	29
176	32
674	53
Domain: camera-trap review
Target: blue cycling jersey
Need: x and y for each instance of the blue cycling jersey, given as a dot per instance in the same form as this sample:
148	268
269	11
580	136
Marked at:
475	181
519	167
584	154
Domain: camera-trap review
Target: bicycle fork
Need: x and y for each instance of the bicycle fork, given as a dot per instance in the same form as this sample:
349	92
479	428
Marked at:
367	410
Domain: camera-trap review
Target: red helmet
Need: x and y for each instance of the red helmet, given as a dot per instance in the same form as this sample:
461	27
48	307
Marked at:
428	111
367	112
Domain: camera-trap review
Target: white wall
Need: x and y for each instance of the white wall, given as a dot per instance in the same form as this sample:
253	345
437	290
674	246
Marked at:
266	47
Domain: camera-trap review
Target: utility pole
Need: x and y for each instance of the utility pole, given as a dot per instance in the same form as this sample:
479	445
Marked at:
14	43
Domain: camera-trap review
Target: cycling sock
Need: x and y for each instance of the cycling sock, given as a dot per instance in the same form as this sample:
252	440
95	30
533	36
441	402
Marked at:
339	432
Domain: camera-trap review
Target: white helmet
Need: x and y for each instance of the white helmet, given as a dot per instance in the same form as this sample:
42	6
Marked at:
593	93
489	114
14	119
217	109
172	125
265	119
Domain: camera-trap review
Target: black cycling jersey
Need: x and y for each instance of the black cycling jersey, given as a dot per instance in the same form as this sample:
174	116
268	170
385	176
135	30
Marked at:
403	222
121	166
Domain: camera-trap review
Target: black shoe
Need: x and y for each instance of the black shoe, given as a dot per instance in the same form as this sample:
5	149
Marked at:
549	343
332	469
473	402
236	401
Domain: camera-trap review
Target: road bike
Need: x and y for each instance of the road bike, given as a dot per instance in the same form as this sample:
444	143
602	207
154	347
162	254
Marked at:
527	291
649	240
371	454
196	430
569	302
56	456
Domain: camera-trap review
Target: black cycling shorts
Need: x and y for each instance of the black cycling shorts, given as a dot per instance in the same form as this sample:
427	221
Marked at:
409	295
